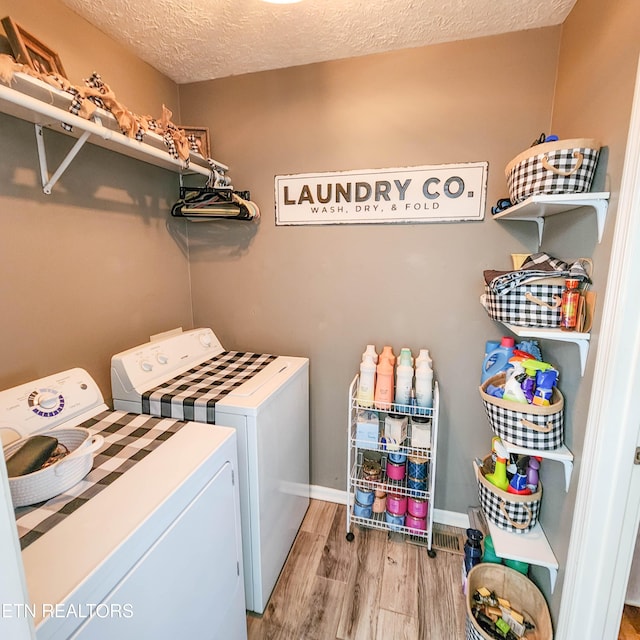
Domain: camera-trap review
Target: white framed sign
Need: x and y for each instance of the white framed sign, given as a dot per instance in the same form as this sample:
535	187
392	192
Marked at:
440	193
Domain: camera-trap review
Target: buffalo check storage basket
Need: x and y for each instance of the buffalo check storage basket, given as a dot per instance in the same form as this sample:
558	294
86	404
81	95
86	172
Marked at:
560	167
522	594
532	304
523	424
509	511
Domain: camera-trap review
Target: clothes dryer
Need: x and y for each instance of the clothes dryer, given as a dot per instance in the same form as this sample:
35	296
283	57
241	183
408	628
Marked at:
190	376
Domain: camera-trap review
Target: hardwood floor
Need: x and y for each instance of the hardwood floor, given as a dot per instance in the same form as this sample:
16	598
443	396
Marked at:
630	625
373	588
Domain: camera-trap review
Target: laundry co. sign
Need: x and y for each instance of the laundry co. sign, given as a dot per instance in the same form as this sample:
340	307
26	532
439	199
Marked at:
441	193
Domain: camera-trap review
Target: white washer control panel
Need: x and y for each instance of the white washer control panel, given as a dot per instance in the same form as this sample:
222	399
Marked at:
46	403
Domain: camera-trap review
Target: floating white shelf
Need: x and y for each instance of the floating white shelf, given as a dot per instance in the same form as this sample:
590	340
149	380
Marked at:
537	208
35	101
581	339
532	547
561	454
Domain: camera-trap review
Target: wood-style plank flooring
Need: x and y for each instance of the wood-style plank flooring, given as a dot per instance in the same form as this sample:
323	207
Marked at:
373	588
630	625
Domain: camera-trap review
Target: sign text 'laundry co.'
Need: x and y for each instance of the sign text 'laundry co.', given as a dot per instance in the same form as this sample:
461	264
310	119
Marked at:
441	193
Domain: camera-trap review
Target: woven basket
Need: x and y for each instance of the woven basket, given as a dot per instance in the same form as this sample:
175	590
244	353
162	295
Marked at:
522	594
525	425
509	511
560	167
57	478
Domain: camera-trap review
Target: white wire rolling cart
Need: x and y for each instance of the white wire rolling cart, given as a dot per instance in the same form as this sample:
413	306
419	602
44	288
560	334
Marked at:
362	453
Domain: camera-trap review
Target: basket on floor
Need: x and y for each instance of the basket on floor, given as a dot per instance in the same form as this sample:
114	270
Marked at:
525	425
509	511
59	477
522	594
560	167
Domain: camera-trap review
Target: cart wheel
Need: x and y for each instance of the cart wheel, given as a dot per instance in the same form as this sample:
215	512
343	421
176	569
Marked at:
350	537
431	553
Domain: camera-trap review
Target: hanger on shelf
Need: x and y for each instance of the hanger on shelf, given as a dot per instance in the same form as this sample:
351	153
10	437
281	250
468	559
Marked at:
211	203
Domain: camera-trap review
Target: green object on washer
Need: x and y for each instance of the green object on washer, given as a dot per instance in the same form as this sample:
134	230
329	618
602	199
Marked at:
30	457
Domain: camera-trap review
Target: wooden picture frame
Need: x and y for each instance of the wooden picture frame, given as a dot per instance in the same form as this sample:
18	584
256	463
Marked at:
202	137
30	51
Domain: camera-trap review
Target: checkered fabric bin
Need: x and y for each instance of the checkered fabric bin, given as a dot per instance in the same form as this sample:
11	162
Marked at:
532	304
525	425
560	167
522	594
509	511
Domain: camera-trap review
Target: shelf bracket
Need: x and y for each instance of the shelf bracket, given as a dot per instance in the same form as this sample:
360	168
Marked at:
49	182
600	207
540	223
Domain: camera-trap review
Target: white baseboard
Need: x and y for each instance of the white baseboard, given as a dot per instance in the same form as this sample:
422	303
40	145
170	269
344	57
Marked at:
450	518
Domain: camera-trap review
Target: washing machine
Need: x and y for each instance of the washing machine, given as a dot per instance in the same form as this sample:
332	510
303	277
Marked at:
188	375
148	543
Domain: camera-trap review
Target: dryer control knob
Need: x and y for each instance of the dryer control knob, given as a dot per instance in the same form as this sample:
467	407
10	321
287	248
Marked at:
162	359
205	339
145	365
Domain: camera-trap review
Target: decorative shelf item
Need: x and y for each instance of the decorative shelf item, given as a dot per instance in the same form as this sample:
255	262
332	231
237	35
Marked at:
531	547
35	101
537	208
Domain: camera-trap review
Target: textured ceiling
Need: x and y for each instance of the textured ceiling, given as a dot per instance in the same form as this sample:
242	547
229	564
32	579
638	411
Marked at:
193	40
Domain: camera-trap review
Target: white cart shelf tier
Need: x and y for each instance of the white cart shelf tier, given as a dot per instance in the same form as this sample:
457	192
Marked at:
537	208
532	547
35	101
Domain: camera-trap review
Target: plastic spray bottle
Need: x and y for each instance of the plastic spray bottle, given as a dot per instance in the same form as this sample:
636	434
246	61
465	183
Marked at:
499	475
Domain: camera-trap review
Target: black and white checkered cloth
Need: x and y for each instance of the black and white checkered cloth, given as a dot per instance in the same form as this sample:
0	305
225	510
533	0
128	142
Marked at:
203	385
128	438
516	516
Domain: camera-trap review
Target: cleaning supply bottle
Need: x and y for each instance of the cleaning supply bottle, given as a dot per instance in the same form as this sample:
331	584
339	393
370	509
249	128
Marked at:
499	475
366	385
384	384
497	360
533	473
404	382
387	352
518	484
371	351
472	554
512	389
545	382
424	384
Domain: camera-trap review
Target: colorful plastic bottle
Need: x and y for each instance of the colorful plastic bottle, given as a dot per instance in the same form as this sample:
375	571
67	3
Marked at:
404	382
499	475
367	382
498	360
424	386
472	554
383	396
405	357
387	352
569	306
532	473
371	351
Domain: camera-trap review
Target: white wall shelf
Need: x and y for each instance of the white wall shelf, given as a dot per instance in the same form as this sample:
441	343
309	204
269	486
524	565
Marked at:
35	101
537	208
532	547
562	454
580	339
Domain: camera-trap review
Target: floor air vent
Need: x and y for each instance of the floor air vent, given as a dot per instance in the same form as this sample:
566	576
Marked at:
446	538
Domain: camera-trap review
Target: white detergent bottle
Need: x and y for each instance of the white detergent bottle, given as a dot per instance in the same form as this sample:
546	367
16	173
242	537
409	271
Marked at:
404	382
424	385
405	357
424	357
371	351
367	383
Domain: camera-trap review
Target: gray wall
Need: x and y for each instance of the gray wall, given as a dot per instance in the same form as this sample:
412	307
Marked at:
97	266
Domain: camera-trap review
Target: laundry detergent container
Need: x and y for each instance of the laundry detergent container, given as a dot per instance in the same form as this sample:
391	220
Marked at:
560	167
